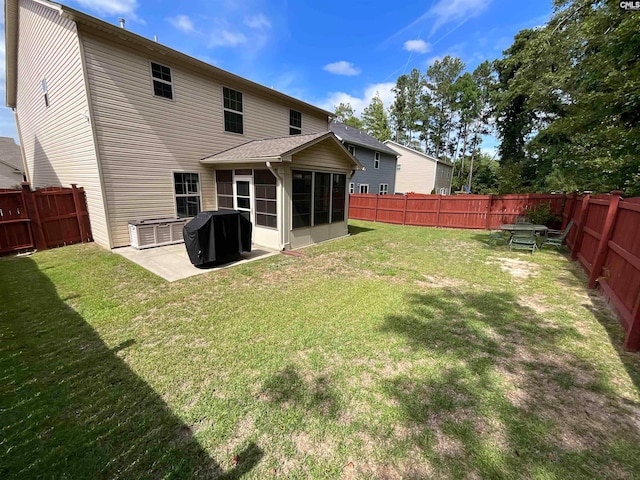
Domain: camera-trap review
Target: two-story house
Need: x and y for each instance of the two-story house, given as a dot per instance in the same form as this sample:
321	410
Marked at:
11	171
378	160
418	172
150	132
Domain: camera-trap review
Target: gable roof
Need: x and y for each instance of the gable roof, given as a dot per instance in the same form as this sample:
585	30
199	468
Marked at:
145	45
275	149
10	153
418	152
357	137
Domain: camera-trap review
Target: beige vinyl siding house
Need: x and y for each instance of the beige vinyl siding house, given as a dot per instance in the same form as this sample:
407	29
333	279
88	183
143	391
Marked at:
57	139
418	172
126	142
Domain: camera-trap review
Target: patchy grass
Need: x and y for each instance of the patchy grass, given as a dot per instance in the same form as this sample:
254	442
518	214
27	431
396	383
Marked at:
399	352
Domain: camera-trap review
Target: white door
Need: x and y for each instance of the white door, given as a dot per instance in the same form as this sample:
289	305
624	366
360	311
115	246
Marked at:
243	197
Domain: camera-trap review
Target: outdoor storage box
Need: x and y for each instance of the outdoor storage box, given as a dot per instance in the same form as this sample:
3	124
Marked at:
212	238
155	232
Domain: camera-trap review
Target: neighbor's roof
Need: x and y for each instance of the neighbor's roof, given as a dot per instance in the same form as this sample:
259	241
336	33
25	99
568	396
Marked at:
275	149
357	137
426	155
10	153
144	45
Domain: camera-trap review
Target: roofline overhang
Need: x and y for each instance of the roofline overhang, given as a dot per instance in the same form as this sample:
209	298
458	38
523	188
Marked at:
222	160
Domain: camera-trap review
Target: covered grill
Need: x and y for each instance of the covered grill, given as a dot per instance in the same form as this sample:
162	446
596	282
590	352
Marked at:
213	238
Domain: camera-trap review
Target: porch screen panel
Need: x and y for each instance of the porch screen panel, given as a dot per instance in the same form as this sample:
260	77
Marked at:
321	198
224	187
338	194
266	204
301	198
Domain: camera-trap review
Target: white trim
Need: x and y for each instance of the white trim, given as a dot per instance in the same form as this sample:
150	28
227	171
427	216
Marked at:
161	80
225	109
351	147
293	126
386	190
175	195
376	160
352	188
360	185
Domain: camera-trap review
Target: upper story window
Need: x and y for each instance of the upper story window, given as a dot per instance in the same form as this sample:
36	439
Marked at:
295	122
384	189
352	149
45	92
376	160
233	116
162	82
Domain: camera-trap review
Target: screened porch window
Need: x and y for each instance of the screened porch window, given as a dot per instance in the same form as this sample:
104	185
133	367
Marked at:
224	187
266	203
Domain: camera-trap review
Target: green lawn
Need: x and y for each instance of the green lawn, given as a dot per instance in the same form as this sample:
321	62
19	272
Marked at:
398	352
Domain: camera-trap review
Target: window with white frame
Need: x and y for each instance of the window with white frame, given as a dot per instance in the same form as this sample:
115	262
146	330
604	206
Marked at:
398	167
187	193
295	122
363	188
317	198
45	93
162	82
384	189
376	160
233	111
352	149
352	188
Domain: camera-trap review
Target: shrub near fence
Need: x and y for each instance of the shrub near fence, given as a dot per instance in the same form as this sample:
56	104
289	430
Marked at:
452	211
605	238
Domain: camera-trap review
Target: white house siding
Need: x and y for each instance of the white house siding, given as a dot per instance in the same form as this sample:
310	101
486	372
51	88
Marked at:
416	172
443	178
57	141
142	138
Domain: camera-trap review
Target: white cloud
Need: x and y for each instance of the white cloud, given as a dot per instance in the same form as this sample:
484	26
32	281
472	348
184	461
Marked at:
226	38
126	8
342	68
257	21
447	11
182	23
384	90
418	46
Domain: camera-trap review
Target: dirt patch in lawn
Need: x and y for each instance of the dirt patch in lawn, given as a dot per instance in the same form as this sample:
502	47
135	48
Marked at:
520	269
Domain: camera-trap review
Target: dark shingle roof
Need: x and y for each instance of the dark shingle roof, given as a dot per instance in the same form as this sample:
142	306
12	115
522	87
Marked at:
356	136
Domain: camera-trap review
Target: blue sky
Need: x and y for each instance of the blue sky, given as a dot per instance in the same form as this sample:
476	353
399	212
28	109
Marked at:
323	52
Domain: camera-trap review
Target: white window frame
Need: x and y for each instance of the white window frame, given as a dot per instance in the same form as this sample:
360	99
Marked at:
352	149
176	195
363	186
294	126
352	188
376	160
225	109
398	167
384	189
173	90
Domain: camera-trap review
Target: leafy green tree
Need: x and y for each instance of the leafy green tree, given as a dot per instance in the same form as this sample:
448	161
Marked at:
406	110
375	120
346	114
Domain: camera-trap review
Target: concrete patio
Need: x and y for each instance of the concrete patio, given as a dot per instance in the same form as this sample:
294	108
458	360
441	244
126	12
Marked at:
171	262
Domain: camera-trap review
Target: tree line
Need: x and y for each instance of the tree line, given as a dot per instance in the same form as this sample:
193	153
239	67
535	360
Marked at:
563	102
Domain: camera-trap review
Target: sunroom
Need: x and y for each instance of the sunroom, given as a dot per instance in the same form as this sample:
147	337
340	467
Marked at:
293	189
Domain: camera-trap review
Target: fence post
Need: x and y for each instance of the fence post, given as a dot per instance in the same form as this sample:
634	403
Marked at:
488	225
632	338
34	216
404	212
603	244
582	218
77	203
375	218
438	211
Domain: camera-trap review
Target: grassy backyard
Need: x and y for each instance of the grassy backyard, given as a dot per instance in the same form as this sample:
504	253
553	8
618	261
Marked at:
398	352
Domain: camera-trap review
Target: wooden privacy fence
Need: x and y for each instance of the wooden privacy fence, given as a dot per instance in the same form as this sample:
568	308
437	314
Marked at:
606	242
605	238
453	211
45	218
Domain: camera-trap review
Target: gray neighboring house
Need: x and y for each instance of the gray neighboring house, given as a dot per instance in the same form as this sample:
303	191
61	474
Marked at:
379	161
11	169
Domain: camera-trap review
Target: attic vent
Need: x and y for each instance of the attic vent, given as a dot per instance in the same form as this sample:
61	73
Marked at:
122	21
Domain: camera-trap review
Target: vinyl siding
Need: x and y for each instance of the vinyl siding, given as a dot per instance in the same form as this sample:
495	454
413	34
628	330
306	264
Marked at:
372	176
442	180
325	156
142	138
417	173
57	141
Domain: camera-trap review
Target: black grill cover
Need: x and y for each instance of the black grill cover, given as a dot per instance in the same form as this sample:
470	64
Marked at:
213	238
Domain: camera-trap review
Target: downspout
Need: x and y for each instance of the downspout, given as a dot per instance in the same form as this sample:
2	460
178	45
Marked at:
282	219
